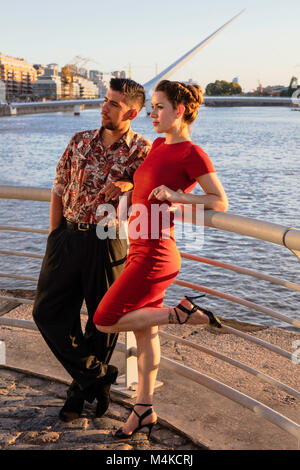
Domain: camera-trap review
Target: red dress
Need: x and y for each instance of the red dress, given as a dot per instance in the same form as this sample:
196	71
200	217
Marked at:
153	261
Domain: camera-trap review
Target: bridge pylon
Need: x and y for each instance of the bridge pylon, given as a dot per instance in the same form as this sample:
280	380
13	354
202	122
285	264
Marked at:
168	71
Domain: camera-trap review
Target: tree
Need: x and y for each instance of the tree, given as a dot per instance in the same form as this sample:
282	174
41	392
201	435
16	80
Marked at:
223	88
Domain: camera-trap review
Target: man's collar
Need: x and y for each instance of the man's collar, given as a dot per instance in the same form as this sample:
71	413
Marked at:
127	137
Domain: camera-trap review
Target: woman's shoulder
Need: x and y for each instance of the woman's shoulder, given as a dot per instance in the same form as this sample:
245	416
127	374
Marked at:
194	152
197	162
197	150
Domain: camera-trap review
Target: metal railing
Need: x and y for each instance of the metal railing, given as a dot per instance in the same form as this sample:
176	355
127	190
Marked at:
274	233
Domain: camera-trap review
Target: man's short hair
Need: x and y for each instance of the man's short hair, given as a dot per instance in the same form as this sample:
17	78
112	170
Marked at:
133	91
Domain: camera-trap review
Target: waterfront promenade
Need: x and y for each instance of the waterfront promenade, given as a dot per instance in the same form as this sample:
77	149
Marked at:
190	416
77	106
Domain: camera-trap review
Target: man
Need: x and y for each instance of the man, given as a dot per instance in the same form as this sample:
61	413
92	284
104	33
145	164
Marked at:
96	167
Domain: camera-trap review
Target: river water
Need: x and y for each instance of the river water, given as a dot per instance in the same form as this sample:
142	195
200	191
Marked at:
256	153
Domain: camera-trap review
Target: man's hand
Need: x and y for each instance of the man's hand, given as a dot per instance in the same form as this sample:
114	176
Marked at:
115	189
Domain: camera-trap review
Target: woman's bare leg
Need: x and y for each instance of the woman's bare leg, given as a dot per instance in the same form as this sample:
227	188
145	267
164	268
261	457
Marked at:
150	316
148	356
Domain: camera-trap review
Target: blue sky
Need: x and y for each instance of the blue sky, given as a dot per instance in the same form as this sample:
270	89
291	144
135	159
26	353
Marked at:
262	44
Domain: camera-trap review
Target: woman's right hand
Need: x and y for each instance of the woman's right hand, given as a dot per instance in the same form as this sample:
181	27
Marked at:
163	193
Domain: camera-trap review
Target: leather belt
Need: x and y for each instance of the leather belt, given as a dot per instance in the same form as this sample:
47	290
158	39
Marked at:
81	226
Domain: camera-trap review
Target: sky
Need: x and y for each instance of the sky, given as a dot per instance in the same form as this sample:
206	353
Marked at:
262	45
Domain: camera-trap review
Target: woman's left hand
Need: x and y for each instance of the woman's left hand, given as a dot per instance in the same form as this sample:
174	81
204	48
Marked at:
163	193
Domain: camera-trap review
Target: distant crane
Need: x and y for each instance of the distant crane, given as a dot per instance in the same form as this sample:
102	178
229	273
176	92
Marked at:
69	72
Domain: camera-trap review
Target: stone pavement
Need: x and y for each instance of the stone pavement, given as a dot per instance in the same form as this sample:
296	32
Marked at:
29	407
199	416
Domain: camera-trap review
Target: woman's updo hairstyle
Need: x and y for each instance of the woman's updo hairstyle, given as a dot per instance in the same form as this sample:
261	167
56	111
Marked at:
183	93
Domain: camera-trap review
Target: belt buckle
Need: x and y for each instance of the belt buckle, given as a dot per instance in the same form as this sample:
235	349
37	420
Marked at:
83	227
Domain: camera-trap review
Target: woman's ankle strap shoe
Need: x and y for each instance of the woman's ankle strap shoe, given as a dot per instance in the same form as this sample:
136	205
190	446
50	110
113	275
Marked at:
213	319
122	435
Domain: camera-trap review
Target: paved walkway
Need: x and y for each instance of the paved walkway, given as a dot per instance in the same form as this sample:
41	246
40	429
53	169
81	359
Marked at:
29	407
191	416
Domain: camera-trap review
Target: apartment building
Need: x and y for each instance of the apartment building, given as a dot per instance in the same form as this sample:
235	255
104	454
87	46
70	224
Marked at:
87	88
17	74
119	74
48	85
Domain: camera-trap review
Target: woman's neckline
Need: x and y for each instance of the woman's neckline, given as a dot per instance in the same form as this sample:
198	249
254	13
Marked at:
177	143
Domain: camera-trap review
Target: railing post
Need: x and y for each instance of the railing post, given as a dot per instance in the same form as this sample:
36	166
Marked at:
2	353
131	371
127	383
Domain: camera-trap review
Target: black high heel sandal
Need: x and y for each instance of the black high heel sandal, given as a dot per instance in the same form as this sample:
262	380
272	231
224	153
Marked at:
122	435
213	319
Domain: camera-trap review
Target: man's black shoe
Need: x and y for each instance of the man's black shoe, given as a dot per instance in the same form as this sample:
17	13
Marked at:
100	390
73	406
103	391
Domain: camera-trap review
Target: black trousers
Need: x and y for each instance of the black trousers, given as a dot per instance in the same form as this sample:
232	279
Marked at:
77	266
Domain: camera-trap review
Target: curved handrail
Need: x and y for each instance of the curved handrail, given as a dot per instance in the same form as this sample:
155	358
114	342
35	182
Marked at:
234	362
255	406
237	300
22	278
243	335
25	193
200	259
267	231
270	232
30	325
240	270
10	228
200	288
20	253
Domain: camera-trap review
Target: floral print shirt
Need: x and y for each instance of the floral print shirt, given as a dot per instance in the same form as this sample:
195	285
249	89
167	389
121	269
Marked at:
87	166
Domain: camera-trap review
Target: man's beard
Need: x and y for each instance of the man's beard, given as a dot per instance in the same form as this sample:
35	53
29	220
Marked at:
110	126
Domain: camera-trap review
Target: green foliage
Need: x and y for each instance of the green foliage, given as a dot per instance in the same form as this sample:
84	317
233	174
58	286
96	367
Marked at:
223	88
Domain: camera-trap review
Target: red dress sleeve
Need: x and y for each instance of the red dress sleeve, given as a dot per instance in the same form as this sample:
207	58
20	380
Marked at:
197	163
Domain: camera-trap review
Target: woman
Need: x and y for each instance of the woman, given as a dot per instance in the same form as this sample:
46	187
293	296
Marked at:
135	301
